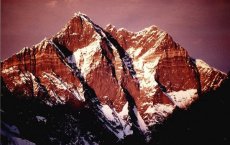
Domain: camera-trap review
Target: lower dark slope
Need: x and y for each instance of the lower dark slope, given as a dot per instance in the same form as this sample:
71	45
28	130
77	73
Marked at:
205	122
48	125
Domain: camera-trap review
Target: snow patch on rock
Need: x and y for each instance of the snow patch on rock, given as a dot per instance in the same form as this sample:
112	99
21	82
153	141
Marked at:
140	121
146	75
41	119
157	113
124	117
10	70
84	57
62	85
183	98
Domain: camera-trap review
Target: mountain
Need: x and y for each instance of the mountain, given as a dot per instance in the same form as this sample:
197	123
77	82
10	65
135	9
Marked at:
89	85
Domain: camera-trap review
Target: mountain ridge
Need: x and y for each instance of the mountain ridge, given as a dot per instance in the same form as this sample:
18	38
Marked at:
129	80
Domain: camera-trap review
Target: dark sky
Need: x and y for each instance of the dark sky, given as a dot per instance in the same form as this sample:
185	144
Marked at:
201	26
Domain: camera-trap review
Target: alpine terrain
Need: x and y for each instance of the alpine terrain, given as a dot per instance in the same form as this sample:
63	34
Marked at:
92	86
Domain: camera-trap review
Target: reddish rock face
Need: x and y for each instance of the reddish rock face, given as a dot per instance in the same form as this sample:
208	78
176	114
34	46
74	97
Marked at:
210	78
32	73
175	70
78	33
129	79
165	64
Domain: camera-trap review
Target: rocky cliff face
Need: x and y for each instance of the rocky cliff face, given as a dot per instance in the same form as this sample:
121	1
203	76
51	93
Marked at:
210	78
130	81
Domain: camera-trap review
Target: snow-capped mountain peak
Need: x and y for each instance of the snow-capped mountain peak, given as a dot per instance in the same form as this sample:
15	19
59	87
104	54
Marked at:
126	81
